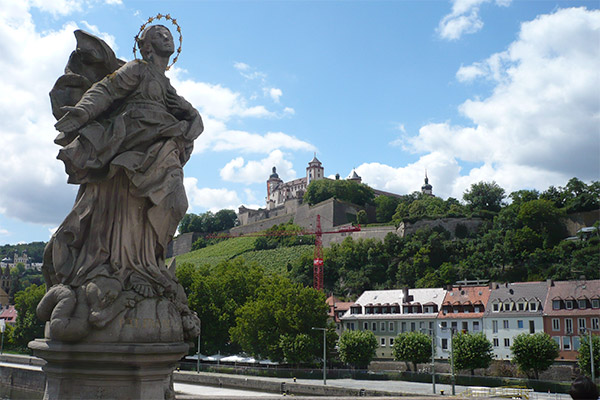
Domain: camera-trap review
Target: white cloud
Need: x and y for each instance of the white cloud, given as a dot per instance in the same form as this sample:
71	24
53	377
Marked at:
4	232
289	111
464	18
541	124
248	172
240	66
208	198
275	94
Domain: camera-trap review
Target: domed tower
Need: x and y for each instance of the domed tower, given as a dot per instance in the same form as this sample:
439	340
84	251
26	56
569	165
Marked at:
314	171
272	183
427	188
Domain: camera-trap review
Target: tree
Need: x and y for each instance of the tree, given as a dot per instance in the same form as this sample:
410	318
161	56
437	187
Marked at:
353	192
583	358
471	351
361	217
543	217
385	207
358	348
534	353
486	196
208	222
278	322
414	347
28	326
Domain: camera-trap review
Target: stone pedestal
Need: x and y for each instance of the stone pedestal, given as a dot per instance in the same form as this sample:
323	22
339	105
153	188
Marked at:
108	370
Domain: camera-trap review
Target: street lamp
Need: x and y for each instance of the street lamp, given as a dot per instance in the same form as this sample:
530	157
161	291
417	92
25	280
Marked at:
324	353
432	333
198	354
452	331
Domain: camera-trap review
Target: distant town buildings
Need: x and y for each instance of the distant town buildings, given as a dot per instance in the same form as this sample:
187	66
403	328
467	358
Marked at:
565	310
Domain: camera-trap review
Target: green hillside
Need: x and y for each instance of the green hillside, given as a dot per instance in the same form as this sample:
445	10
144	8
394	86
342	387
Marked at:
273	260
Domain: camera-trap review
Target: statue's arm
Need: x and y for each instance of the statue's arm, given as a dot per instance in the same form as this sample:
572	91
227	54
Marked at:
101	96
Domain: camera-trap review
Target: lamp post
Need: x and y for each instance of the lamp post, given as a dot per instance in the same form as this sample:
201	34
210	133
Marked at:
198	354
452	378
324	353
432	333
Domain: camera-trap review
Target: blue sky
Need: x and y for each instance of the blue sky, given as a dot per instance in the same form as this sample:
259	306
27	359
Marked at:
468	90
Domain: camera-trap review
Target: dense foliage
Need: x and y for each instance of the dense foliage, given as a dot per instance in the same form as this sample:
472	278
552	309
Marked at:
28	326
278	322
353	192
413	347
524	241
534	353
357	348
471	351
583	357
208	222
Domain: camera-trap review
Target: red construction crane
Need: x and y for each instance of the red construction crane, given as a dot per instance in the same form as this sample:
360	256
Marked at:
318	264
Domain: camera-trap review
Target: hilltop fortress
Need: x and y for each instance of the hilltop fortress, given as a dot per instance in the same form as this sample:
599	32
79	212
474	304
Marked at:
284	202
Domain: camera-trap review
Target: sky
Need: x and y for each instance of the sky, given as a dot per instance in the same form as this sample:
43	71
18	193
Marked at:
463	90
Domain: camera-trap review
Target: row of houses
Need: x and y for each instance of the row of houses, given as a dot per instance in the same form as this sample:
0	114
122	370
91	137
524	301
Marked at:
565	310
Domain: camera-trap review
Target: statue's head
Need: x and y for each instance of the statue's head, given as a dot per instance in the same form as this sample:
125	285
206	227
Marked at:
156	39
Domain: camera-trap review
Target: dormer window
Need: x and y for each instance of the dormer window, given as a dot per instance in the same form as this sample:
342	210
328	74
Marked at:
556	304
496	307
532	306
595	303
521	306
569	304
581	303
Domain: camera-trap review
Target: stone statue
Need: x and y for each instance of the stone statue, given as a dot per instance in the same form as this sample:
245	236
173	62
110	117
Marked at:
125	135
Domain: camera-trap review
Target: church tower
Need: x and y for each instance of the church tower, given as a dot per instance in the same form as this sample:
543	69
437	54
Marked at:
314	171
272	182
427	188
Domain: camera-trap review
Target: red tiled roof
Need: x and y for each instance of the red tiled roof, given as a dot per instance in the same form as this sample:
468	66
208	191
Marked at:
569	290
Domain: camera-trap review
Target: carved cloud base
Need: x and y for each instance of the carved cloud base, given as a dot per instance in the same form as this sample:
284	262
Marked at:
108	370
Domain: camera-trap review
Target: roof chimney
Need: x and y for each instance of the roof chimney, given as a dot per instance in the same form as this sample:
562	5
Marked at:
549	282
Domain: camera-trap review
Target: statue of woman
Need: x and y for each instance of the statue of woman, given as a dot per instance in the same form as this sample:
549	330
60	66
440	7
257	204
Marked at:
125	143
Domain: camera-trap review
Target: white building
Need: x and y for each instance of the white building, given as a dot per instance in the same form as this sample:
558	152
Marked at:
513	308
388	313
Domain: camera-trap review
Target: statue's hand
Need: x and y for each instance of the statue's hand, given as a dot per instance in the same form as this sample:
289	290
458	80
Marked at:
74	119
179	106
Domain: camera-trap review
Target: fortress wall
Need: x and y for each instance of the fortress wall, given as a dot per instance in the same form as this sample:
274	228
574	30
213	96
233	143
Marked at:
377	232
182	244
260	225
576	221
408	228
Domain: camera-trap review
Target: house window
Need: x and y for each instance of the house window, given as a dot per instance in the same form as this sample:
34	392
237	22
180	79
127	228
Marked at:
431	325
595	323
421	325
494	326
569	304
581	324
350	326
569	325
465	326
506	342
581	304
595	303
557	340
391	341
454	326
520	324
444	344
521	306
455	310
555	324
505	324
556	304
374	326
475	326
532	306
496	307
366	326
477	309
403	326
382	342
382	325
413	326
531	326
576	343
391	327
444	324
566	342
496	342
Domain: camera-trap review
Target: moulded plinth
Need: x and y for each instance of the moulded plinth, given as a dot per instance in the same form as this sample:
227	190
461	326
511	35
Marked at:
108	370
